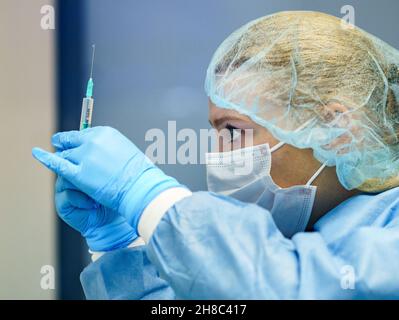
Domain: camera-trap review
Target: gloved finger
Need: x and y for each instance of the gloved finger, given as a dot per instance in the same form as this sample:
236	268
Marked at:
68	139
56	164
69	154
62	184
71	198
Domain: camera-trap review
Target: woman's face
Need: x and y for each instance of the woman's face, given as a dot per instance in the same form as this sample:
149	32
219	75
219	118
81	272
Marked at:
290	166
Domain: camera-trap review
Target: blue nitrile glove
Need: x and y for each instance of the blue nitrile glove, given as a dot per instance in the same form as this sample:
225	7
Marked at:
109	168
104	229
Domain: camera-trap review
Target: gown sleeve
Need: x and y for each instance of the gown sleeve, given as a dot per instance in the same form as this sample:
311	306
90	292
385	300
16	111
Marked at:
209	246
124	274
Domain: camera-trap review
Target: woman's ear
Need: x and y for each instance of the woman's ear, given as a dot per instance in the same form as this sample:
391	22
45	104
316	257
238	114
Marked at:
330	111
338	115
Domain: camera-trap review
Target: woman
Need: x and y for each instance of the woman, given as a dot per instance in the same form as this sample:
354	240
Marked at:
321	98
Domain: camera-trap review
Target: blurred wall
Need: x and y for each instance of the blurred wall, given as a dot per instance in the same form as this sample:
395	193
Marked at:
27	113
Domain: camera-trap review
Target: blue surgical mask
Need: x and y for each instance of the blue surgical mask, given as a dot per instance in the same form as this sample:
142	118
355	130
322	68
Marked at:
244	174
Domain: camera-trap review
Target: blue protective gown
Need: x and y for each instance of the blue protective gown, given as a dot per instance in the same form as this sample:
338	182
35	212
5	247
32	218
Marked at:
209	246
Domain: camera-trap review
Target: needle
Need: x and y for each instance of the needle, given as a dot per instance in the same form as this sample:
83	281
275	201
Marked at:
92	59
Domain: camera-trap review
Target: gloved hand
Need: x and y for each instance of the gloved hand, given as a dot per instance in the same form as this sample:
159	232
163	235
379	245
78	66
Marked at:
103	229
109	168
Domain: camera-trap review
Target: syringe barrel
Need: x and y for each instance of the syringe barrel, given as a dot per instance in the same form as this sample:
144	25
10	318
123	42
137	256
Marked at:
87	111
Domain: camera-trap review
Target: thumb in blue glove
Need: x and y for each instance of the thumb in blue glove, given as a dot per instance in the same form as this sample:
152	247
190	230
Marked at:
103	229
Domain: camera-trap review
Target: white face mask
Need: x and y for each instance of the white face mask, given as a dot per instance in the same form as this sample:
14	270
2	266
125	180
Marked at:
244	174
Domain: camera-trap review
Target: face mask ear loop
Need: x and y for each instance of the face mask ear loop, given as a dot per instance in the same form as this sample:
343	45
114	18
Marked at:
277	146
316	174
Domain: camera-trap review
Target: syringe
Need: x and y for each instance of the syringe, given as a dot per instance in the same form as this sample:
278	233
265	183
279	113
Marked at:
88	101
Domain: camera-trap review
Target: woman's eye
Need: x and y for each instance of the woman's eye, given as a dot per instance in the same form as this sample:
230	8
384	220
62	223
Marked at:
235	133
